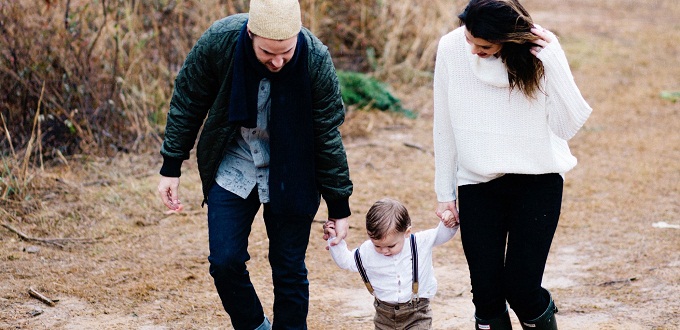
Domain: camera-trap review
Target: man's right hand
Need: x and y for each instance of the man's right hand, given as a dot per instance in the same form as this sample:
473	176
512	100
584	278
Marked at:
169	189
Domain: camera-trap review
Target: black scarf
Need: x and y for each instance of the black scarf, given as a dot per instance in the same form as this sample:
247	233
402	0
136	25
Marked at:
292	184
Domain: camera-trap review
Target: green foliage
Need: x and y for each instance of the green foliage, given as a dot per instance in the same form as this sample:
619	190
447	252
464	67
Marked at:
671	96
365	91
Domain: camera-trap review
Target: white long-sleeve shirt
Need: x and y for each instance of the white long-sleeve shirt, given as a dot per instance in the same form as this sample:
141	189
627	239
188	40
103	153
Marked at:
392	276
483	130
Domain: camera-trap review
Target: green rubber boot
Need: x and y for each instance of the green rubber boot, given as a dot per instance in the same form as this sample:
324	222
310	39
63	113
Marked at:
544	322
499	323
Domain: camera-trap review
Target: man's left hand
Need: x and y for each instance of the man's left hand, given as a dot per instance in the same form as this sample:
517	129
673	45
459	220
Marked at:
337	227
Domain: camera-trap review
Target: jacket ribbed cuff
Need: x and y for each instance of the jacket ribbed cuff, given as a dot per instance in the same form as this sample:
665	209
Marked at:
338	208
172	167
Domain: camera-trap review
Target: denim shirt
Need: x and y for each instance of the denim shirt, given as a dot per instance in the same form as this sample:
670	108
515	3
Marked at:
246	162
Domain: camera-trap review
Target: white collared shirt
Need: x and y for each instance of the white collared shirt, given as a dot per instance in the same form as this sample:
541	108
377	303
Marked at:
392	276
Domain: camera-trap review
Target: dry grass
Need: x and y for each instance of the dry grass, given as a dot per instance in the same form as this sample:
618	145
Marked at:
610	268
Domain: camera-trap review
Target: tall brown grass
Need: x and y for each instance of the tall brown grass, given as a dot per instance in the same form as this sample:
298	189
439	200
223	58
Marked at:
107	68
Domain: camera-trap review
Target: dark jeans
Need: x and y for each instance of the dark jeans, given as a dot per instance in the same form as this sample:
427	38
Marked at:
230	219
507	226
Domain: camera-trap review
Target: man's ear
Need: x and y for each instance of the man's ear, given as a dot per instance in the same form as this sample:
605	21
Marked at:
250	33
408	231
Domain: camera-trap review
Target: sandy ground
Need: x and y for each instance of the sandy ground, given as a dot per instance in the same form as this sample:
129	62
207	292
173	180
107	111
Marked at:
613	263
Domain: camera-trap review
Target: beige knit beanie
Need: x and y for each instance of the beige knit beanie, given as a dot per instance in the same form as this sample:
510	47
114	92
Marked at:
275	19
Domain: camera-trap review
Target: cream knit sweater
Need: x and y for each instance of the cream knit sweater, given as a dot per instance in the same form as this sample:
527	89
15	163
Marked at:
483	130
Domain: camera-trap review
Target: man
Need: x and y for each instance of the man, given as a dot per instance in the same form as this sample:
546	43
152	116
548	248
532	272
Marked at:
265	92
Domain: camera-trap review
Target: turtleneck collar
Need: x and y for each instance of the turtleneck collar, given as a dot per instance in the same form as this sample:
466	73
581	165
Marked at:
490	70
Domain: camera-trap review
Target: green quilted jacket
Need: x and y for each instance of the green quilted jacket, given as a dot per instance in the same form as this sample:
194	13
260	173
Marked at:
200	102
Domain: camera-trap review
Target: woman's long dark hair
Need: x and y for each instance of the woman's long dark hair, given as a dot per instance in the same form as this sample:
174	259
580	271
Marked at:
506	22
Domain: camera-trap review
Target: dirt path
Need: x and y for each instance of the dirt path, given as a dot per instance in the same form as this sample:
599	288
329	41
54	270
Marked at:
611	266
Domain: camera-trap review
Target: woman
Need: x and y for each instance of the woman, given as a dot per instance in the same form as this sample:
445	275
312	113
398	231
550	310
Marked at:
505	104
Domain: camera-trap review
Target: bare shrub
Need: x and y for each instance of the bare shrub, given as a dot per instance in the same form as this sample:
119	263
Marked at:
394	40
107	68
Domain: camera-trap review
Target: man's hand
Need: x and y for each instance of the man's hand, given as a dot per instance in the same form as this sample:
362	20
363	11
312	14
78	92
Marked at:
169	189
329	230
337	228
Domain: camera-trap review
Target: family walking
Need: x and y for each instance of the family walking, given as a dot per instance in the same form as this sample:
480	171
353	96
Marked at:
263	93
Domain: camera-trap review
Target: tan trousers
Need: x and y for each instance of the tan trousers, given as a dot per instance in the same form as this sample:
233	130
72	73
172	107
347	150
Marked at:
417	316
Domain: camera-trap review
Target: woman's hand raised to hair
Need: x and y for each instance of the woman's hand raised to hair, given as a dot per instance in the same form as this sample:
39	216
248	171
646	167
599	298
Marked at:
544	38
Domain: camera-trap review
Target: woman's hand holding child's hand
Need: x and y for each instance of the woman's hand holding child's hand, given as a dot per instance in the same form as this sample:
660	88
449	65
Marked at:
449	219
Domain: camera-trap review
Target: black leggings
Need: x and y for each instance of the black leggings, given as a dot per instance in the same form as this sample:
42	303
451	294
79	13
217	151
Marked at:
522	211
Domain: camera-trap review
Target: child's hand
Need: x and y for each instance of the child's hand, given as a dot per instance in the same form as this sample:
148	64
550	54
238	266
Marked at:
448	219
329	231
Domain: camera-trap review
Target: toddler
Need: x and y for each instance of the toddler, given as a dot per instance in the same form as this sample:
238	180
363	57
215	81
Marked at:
395	265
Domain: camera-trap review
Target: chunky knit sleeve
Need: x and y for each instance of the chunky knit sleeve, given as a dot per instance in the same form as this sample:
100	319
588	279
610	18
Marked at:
445	154
567	109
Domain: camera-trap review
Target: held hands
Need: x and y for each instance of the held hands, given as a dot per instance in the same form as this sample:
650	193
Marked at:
168	188
337	228
448	219
448	213
544	38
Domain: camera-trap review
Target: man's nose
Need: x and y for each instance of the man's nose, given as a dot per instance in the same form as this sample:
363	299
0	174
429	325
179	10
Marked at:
278	61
